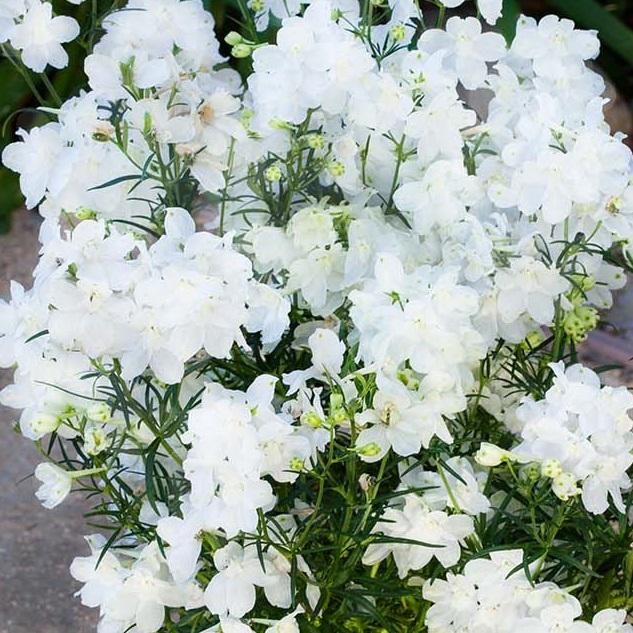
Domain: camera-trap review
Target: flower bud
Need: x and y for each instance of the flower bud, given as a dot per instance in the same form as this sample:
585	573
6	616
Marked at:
314	141
490	455
398	32
564	486
369	450
241	51
366	481
551	468
233	38
311	419
336	168
273	173
531	472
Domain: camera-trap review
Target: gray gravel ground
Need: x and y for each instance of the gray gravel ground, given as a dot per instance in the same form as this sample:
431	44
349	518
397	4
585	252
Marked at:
36	545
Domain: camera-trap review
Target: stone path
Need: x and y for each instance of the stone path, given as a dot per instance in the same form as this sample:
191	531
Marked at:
36	545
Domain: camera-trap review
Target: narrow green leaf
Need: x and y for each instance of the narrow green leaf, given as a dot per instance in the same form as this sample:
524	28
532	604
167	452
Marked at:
507	23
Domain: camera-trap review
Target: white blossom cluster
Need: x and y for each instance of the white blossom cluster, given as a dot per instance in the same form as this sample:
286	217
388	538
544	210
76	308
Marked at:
580	433
495	594
264	307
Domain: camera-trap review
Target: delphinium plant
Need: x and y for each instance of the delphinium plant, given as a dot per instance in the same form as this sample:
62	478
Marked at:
307	342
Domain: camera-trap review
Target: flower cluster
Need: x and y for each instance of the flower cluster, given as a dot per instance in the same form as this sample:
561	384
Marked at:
580	433
496	594
285	325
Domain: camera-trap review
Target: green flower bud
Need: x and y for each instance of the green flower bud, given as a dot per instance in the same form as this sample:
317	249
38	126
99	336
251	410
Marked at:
336	168
370	450
273	173
551	468
311	419
314	141
233	38
84	213
398	32
241	51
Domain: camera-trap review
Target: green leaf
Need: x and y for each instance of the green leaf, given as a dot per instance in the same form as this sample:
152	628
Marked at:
507	23
589	14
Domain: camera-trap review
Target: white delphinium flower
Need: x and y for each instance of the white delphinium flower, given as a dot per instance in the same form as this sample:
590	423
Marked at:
265	9
437	126
39	36
154	116
490	10
440	198
224	465
327	359
21	318
38	160
586	432
415	318
399	420
468	48
496	595
131	589
56	484
528	286
417	522
487	596
10	11
554	45
232	589
315	62
408	235
455	485
184	537
611	621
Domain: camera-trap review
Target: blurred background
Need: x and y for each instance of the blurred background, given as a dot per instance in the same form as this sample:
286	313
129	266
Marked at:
37	545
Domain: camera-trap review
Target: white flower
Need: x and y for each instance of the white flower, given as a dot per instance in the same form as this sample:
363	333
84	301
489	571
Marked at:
399	420
490	10
10	11
468	48
232	589
267	312
585	428
528	286
40	35
490	455
39	161
553	45
416	522
440	198
438	125
455	485
611	621
56	484
155	117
